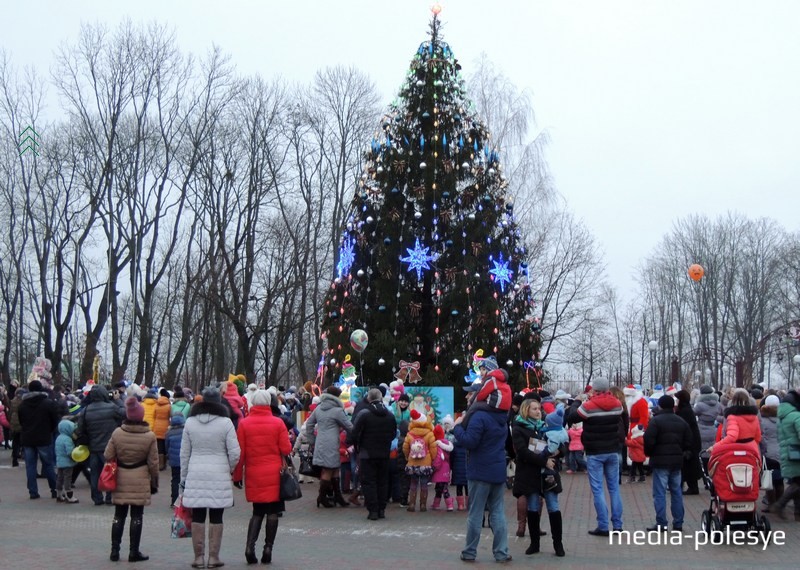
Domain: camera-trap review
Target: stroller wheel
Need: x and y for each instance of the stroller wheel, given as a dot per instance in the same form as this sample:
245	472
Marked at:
705	522
716	524
764	524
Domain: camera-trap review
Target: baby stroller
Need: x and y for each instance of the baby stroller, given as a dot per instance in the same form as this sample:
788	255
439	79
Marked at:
731	474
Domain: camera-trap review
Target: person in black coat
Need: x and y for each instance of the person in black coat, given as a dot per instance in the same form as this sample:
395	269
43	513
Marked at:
374	428
667	440
690	471
38	417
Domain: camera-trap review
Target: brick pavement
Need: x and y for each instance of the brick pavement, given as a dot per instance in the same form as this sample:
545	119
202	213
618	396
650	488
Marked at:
44	534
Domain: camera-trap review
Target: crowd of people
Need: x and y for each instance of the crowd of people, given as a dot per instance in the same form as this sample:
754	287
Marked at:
380	450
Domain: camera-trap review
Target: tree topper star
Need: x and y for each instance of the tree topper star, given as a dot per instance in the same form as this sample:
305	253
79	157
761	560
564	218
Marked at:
418	259
502	274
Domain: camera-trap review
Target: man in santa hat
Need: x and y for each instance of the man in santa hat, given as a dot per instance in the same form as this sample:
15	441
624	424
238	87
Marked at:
638	410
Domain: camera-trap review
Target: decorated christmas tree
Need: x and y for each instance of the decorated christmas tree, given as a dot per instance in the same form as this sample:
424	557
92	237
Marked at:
431	263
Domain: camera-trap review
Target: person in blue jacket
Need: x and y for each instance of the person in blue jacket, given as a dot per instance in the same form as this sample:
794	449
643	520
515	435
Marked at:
172	445
485	439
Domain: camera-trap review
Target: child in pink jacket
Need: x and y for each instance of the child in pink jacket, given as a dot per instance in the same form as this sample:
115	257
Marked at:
576	460
441	470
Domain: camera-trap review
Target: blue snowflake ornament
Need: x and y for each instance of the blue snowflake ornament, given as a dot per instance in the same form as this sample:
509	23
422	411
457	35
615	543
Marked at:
502	274
418	259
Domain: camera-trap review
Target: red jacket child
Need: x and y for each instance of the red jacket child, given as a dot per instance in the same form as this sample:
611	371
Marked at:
635	443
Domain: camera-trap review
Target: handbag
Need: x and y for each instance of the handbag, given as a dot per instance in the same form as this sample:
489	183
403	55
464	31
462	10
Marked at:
766	476
108	477
181	525
290	485
307	466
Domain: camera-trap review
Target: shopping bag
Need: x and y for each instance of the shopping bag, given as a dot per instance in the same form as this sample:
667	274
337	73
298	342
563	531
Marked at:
181	526
766	476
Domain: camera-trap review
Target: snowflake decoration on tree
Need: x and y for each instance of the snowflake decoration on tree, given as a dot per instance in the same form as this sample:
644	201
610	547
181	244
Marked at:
418	259
346	257
502	274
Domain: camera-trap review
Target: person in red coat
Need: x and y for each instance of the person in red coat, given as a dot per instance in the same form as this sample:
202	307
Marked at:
264	442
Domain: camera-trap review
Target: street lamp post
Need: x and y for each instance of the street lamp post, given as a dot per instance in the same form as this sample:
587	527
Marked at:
653	346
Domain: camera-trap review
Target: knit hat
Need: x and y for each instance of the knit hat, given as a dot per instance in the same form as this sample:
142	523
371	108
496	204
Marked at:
562	395
474	387
489	364
600	385
211	394
334	391
178	393
772	401
177	420
438	432
261	398
706	389
555	420
666	402
134	410
415	415
164	392
517	399
448	420
35	386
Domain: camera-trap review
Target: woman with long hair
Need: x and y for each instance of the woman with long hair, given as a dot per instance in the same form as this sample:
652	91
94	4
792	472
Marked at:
264	442
322	430
525	428
134	448
209	454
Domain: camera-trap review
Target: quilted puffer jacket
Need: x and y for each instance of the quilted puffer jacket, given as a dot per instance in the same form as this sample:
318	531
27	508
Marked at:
209	454
131	444
264	441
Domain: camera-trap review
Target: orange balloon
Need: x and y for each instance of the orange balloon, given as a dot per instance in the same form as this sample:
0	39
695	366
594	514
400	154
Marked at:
696	272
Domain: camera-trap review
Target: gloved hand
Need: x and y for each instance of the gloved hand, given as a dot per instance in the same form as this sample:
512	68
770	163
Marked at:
238	484
153	489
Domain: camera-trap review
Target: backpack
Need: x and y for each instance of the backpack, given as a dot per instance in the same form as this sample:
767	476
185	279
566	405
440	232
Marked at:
417	449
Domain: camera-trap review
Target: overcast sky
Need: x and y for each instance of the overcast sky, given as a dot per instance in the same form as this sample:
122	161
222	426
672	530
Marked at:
655	109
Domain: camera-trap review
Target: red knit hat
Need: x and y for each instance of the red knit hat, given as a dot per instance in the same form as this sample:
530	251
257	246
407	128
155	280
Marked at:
415	415
438	433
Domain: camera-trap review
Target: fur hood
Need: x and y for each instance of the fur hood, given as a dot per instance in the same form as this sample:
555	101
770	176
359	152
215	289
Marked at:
741	411
707	398
209	408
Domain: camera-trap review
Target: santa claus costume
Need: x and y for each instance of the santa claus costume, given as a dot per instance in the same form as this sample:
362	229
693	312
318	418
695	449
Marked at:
638	410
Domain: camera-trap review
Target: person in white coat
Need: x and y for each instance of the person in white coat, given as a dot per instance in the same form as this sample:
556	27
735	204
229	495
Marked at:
209	454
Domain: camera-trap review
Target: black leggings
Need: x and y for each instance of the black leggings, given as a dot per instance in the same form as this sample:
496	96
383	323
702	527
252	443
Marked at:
460	490
121	511
214	515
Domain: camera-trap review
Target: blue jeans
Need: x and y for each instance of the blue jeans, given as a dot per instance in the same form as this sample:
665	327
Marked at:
550	499
483	496
46	456
576	460
664	478
96	463
605	466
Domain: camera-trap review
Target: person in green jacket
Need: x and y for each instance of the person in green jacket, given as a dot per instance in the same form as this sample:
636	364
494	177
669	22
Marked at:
789	442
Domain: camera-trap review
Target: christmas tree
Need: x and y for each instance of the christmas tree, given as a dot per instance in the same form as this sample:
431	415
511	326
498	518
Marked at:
431	263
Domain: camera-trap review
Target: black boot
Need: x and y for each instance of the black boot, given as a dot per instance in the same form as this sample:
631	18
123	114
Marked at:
555	529
533	530
117	528
322	498
136	537
337	494
272	531
253	530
